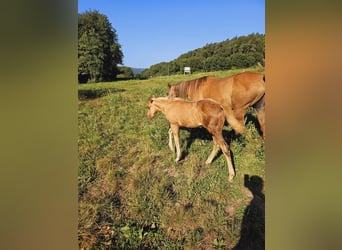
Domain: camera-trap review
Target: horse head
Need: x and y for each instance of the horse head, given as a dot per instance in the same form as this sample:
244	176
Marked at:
152	108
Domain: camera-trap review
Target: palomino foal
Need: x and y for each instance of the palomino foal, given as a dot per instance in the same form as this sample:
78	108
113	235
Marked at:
180	113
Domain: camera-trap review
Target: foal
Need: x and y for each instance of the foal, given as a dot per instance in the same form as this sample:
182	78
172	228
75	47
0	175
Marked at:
180	113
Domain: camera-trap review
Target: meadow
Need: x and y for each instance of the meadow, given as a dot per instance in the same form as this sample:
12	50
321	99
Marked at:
132	194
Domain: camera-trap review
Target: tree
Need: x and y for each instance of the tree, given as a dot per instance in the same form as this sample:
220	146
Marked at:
238	60
125	72
98	49
90	54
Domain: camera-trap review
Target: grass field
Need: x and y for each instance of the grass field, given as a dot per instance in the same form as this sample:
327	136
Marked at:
132	195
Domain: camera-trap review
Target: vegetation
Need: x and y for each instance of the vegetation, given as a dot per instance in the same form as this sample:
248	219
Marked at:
98	49
99	53
239	52
125	73
132	195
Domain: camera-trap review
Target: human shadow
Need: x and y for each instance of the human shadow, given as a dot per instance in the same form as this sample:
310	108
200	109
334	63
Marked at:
252	236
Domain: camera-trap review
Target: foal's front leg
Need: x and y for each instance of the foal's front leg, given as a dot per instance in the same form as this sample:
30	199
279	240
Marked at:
175	130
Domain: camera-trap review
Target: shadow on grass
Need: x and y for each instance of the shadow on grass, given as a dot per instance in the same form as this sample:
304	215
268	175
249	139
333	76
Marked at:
251	118
87	94
252	234
202	134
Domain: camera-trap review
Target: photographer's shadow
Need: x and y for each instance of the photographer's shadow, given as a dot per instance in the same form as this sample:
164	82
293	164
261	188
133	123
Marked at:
252	234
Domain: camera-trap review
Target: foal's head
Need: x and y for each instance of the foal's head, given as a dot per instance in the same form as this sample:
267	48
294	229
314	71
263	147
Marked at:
152	109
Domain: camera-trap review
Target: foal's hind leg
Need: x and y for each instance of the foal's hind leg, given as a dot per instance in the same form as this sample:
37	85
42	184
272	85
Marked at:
225	149
213	152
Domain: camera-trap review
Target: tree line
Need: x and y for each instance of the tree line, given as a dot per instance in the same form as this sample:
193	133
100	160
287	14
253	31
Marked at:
238	52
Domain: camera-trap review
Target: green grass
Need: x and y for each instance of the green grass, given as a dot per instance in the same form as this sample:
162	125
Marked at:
132	195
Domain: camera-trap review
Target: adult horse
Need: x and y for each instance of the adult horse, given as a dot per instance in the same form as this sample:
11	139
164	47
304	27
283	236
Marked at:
180	113
235	93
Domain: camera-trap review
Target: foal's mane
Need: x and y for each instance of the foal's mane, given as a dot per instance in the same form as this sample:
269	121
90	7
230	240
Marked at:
186	87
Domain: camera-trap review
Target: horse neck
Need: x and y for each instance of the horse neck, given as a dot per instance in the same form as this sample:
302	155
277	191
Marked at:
162	104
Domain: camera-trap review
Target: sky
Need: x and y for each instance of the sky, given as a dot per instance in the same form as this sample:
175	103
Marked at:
154	31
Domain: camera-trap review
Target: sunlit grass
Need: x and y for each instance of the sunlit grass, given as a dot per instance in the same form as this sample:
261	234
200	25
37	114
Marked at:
131	192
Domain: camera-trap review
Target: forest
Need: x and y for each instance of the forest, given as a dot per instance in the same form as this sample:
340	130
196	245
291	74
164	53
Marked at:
238	52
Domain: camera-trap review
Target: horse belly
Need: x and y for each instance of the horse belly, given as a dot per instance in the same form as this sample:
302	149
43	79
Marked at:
190	119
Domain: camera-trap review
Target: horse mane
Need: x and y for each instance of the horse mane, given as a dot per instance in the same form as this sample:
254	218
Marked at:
187	87
183	89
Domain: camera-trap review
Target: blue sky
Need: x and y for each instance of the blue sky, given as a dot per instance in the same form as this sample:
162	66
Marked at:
154	31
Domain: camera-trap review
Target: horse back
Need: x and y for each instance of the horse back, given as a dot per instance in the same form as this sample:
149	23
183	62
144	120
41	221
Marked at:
240	90
183	113
212	88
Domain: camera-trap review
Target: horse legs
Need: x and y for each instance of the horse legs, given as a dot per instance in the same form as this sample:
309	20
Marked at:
171	146
261	119
231	119
225	149
213	152
260	110
175	131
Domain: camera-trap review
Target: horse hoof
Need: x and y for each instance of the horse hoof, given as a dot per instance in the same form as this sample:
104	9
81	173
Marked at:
230	179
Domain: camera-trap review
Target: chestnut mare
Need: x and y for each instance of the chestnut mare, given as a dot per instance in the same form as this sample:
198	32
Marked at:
180	113
235	93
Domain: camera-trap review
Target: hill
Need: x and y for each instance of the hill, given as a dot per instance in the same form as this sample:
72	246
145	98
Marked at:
238	52
137	70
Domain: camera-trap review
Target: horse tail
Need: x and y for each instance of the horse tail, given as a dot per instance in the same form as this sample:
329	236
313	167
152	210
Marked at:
231	119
